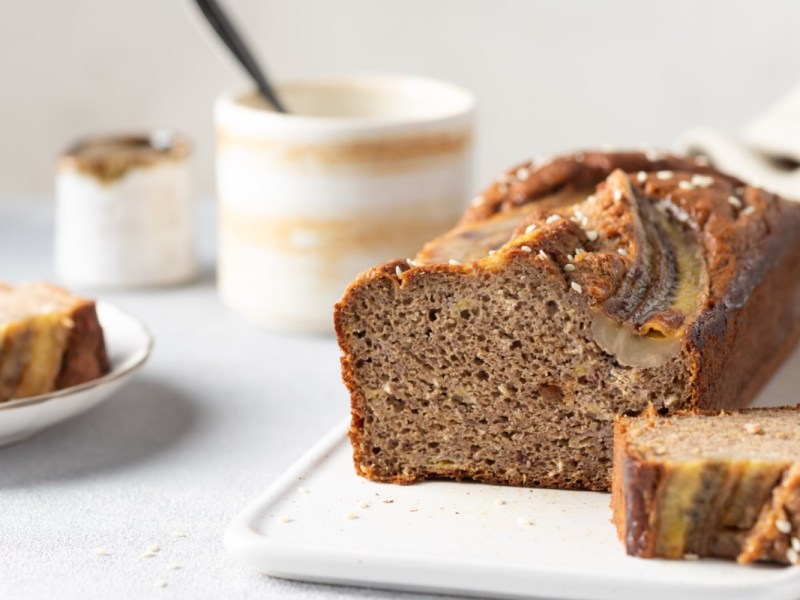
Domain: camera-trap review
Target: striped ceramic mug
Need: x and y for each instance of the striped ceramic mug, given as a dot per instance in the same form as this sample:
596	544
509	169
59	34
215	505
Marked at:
364	169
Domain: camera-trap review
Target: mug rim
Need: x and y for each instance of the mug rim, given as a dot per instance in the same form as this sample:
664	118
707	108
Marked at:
169	141
462	100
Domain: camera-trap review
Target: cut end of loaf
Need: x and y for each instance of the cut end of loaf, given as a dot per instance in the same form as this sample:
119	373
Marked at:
490	373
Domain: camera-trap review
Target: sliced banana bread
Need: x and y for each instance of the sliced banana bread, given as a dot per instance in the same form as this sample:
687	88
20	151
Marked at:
503	351
721	484
49	339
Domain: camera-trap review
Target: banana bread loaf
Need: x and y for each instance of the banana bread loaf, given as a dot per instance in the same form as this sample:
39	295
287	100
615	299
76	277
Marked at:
503	352
49	340
709	484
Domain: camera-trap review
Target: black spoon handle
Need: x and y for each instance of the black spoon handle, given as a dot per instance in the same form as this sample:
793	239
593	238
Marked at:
233	40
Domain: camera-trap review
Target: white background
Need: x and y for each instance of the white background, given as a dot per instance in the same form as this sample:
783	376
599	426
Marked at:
549	75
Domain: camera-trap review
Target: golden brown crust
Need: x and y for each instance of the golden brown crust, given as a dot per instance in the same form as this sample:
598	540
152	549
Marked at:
634	490
85	356
776	535
579	170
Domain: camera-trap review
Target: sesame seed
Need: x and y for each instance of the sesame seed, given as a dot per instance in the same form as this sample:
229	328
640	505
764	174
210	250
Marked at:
173	566
569	267
622	252
387	387
101	551
653	155
147	555
702	180
153	548
523	173
492	252
570	258
685	185
783	526
543	254
478	201
303	490
506	178
398	271
412	263
641	177
690	556
552	219
530	229
792	556
286	519
591	236
499	502
735	202
160	583
617	195
179	534
523	522
591	199
576	286
749	210
363	504
453	262
753	428
579	251
664	175
796	544
350	516
527	249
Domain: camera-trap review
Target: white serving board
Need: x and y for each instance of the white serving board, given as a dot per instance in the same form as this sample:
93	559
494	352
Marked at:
473	539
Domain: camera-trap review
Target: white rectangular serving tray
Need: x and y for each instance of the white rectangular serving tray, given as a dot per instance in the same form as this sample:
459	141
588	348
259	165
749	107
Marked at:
320	522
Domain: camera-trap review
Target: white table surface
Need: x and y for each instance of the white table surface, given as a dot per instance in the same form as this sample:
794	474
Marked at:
219	412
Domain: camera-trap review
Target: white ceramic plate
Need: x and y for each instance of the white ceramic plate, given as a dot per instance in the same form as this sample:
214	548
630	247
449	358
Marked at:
474	539
128	343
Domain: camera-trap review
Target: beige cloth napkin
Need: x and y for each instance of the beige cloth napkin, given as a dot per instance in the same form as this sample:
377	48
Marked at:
766	152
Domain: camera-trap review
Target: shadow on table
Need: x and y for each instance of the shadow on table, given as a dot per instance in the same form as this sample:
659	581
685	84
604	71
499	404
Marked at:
139	422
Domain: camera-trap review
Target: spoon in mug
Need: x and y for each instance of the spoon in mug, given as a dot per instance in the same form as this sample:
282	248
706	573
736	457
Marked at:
214	14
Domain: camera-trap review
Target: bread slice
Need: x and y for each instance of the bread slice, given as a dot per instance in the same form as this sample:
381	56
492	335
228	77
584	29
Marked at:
49	339
503	352
709	484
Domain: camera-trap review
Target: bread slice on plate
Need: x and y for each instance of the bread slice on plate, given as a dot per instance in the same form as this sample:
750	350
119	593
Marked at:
590	286
709	484
49	340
